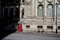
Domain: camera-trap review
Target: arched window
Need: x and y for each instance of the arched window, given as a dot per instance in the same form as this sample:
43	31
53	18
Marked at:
50	10
40	11
58	10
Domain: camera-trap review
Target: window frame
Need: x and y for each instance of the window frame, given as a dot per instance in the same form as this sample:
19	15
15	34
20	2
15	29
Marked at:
56	10
42	16
52	15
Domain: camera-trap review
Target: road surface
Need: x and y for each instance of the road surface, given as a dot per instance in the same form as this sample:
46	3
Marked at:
32	36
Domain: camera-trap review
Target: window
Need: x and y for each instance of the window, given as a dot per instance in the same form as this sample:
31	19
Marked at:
39	26
58	10
50	10
5	13
0	11
58	27
17	13
22	13
11	13
27	26
40	11
50	27
23	1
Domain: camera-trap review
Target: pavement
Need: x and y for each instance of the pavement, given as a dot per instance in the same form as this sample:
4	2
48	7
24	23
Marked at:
32	36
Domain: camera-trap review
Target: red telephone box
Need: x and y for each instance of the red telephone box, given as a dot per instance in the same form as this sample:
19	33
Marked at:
19	27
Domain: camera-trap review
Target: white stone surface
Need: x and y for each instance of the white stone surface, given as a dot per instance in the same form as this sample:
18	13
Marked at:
31	18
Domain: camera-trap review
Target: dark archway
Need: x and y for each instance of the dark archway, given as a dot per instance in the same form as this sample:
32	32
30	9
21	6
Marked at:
9	16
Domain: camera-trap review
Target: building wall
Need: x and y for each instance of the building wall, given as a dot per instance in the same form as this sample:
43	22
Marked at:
49	19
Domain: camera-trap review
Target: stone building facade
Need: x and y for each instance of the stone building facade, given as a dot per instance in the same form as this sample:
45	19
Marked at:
40	15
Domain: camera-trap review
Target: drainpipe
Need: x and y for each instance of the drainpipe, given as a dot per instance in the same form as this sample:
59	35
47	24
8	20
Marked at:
56	18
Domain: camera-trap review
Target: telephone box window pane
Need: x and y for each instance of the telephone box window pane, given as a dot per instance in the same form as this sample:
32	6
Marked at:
40	11
50	10
58	10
